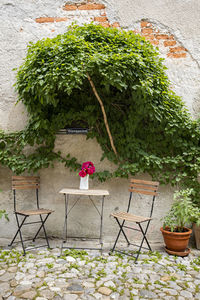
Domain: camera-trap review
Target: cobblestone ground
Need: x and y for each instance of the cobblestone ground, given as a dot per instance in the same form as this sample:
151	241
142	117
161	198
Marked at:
85	275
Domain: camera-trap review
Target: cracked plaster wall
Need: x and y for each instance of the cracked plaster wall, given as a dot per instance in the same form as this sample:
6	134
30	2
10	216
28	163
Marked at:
21	22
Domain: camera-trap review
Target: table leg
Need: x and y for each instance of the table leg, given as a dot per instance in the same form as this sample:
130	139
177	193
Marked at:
101	224
64	240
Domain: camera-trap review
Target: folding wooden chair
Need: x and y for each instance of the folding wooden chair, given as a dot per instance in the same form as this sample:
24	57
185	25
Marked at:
137	187
29	183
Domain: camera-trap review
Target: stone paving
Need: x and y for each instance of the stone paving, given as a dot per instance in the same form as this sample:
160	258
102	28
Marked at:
78	274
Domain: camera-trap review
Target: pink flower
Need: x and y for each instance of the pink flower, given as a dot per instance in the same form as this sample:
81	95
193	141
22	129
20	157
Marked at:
87	164
82	173
91	170
87	168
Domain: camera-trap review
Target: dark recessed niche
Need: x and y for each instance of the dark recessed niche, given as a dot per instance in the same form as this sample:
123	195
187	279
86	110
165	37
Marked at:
76	127
73	130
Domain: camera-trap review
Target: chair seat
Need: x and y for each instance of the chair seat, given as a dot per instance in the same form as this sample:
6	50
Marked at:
130	217
40	211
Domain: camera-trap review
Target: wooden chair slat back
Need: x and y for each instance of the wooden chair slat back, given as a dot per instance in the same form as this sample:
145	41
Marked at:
25	182
144	187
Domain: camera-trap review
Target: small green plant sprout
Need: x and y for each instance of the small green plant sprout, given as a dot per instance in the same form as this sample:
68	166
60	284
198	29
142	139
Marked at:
182	267
75	253
173	278
101	273
49	265
183	211
4	214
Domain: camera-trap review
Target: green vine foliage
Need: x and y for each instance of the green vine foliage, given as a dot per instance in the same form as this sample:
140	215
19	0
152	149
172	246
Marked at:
152	131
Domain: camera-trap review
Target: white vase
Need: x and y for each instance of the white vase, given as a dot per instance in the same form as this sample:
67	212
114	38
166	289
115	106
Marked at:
84	183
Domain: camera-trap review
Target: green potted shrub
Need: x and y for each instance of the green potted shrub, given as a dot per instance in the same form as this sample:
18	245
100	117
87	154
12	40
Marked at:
183	213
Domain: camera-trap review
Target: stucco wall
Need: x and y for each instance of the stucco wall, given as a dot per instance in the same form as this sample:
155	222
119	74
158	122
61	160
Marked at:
159	21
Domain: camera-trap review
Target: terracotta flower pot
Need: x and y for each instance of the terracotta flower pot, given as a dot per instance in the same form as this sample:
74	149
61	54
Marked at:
176	241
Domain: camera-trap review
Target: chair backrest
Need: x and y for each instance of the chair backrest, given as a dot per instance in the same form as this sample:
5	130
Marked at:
25	183
143	187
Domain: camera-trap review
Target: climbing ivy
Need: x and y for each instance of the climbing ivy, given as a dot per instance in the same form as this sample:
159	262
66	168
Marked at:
151	129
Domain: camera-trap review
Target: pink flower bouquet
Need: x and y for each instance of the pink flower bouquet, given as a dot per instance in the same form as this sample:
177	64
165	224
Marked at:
87	169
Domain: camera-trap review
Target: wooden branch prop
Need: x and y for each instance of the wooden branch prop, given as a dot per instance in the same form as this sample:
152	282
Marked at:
104	113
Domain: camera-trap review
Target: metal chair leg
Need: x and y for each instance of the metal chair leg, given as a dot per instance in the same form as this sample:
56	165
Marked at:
121	227
144	238
44	229
20	234
42	226
121	230
144	234
19	227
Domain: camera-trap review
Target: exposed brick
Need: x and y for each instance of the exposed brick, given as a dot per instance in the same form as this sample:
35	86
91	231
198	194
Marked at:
176	55
61	19
90	6
169	43
177	49
115	24
149	36
44	20
154	42
145	24
147	30
100	19
49	20
103	14
105	24
70	7
164	37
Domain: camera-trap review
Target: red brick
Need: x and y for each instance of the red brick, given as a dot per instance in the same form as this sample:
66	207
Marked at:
115	24
147	30
169	43
91	6
154	42
105	24
61	19
145	24
164	37
70	7
100	19
44	20
49	20
177	49
103	14
176	55
149	36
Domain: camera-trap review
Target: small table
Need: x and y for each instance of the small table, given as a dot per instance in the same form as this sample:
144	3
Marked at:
67	192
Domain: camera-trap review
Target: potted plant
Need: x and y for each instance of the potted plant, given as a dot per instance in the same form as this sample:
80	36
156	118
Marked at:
183	213
86	170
